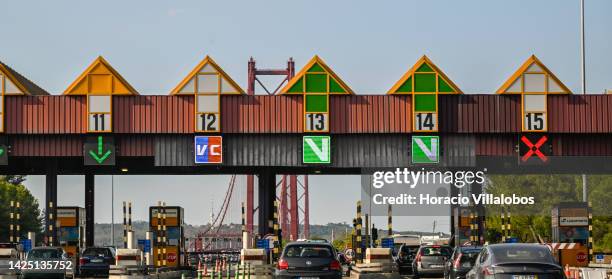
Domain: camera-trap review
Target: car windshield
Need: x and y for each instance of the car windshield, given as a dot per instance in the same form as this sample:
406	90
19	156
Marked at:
308	251
520	254
436	251
97	252
44	254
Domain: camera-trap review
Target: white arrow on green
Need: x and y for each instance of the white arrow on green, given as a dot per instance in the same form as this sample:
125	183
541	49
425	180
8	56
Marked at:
316	150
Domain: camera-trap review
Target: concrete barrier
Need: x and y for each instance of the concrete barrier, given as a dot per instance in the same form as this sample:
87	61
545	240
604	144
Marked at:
378	255
253	257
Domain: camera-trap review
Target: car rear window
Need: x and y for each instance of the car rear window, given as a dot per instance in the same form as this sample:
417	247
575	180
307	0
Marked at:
44	254
509	254
469	256
409	250
97	252
308	251
436	251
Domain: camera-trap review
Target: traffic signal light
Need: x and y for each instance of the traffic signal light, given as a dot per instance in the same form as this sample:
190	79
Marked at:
355	223
374	234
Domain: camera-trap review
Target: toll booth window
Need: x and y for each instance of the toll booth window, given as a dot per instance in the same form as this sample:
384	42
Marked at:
99	113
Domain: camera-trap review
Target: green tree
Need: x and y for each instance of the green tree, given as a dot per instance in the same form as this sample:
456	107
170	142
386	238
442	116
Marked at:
11	189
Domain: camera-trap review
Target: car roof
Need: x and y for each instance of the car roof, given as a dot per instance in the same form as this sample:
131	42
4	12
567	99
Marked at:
309	243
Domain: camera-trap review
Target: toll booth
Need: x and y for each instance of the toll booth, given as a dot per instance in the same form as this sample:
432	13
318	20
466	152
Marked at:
570	224
174	245
461	221
71	229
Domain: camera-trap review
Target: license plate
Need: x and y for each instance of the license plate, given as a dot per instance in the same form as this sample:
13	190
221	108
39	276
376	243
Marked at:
96	260
436	265
524	277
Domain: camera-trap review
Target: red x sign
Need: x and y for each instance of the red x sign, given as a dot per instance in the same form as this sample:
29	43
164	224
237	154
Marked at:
534	149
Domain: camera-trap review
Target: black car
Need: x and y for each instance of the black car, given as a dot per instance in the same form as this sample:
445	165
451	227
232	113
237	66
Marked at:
430	260
461	262
308	259
96	261
516	261
405	257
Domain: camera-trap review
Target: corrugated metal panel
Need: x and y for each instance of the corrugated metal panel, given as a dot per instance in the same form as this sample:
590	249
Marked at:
458	150
174	150
496	145
135	145
46	145
370	114
582	145
153	114
580	114
370	150
261	114
45	114
480	113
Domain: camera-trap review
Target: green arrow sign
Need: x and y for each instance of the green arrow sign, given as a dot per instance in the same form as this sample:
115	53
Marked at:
100	156
316	150
1	151
425	149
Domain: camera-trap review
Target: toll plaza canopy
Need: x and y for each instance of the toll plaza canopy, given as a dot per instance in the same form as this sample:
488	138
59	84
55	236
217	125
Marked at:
317	123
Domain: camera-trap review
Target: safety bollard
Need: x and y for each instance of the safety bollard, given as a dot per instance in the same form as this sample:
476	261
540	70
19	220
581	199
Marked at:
228	271
212	274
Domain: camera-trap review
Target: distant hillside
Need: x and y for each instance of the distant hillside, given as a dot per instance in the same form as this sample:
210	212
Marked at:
103	231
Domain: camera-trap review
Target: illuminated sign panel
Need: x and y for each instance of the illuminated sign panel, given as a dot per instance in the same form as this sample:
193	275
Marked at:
208	149
425	149
316	149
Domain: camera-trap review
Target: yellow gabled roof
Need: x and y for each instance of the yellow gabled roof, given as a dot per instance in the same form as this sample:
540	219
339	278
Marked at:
207	61
410	73
316	60
521	70
100	78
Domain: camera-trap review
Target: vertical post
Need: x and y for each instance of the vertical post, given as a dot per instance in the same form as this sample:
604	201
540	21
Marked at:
472	229
125	245
89	209
249	204
590	242
18	222
293	200
359	244
158	232
367	231
130	216
164	236
267	196
149	253
51	208
503	226
277	236
390	220
12	222
306	196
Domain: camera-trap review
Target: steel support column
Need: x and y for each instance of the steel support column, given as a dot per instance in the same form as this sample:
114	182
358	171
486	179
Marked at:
51	209
454	191
478	209
89	209
267	197
294	212
249	203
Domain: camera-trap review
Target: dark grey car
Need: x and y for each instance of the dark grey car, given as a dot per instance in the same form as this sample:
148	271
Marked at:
516	261
430	260
461	261
308	259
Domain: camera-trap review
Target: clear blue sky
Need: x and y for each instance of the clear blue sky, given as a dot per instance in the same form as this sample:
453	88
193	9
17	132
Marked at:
370	44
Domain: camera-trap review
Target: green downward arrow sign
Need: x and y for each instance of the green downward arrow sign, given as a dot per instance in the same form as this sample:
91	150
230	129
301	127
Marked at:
101	156
1	151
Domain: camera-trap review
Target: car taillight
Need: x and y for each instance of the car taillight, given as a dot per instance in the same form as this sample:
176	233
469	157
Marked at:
457	262
418	258
334	265
83	260
283	264
487	270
